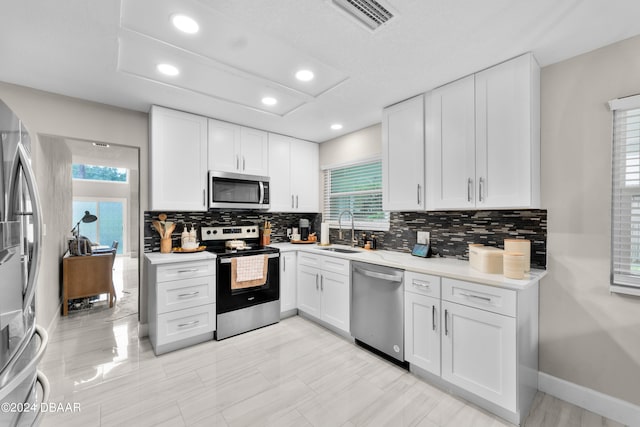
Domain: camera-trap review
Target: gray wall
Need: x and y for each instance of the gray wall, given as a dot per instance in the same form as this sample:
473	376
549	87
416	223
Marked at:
50	114
54	186
587	335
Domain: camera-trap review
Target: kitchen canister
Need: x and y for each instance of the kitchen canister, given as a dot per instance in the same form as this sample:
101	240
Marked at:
324	234
486	259
513	267
521	246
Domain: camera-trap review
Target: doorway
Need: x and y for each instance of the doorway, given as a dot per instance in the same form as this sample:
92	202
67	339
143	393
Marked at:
105	182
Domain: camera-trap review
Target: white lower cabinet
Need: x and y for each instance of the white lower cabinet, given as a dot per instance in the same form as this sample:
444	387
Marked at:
182	309
288	291
479	353
479	340
422	321
324	289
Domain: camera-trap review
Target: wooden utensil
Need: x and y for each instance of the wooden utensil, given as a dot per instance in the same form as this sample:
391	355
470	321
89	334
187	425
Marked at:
162	217
158	227
170	229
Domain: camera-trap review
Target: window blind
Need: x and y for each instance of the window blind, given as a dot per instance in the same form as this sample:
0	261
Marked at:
356	188
625	204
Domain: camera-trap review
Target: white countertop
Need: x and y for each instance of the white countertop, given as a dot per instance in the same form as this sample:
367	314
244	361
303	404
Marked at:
160	258
445	267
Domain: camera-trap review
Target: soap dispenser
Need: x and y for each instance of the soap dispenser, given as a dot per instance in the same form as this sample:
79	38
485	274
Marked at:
184	237
193	236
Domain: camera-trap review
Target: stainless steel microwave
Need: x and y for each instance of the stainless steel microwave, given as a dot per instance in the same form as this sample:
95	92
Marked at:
238	191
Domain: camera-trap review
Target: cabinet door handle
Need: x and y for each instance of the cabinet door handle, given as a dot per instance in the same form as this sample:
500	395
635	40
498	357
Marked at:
284	264
192	323
433	317
189	294
317	287
419	193
297	205
237	162
469	186
190	270
446	323
292	204
322	283
244	163
468	295
480	189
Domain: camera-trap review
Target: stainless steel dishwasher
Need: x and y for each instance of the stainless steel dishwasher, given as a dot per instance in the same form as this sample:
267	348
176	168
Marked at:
377	308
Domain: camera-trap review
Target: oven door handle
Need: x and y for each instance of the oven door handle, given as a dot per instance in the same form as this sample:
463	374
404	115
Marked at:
228	260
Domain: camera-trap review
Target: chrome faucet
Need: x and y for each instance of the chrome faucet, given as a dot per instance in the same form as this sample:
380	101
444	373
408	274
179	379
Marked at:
353	235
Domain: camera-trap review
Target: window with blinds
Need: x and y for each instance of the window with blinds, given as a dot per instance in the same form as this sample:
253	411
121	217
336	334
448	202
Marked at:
625	205
356	188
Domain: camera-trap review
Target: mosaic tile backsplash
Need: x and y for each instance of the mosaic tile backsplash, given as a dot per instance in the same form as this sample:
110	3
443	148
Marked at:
451	231
279	222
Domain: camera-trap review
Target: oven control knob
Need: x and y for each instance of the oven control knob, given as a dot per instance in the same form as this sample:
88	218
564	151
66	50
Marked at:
214	231
248	230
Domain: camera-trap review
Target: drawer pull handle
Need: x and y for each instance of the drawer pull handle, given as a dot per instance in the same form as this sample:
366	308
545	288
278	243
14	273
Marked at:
191	270
192	323
465	294
189	294
421	285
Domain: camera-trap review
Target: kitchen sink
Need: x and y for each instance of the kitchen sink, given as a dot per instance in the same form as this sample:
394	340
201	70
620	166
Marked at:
340	250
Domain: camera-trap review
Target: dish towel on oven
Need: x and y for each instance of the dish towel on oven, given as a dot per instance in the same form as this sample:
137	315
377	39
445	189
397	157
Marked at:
248	271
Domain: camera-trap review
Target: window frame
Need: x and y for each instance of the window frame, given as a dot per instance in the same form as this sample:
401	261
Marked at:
383	225
126	181
622	280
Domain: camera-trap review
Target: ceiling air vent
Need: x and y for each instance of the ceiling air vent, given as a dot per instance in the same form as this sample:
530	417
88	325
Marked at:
370	13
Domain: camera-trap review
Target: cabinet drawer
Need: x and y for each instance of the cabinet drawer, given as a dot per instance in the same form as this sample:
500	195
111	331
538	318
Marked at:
490	298
185	270
311	260
335	265
423	284
181	324
180	294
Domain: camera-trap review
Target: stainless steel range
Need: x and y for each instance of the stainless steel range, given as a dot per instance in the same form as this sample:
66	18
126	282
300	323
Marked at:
248	279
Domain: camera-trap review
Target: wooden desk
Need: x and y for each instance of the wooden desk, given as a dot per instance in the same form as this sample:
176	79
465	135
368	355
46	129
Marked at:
85	276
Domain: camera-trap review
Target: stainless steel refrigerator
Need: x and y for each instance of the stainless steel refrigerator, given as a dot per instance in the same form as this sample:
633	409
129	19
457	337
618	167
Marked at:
23	389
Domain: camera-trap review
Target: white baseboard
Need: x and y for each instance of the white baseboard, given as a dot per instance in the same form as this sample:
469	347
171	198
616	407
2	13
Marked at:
602	404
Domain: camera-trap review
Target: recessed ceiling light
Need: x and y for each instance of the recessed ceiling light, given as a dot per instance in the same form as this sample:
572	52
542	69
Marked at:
268	100
185	24
336	126
101	145
168	69
304	75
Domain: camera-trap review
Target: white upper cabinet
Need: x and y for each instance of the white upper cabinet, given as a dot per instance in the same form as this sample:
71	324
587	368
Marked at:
305	170
508	134
280	195
294	170
483	139
255	151
451	147
237	149
403	156
224	146
178	152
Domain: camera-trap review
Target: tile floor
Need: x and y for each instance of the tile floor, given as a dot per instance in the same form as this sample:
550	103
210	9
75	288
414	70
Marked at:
294	373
